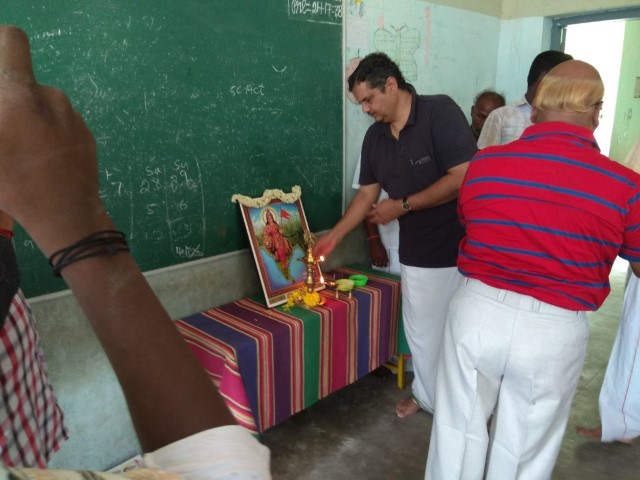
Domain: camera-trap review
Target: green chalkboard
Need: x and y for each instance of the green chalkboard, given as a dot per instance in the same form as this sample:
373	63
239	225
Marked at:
190	102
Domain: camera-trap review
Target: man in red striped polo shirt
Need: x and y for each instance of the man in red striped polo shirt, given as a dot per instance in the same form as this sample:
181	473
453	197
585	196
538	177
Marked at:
545	217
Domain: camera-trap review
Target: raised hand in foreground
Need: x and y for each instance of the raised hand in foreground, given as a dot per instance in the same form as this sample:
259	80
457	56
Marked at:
49	184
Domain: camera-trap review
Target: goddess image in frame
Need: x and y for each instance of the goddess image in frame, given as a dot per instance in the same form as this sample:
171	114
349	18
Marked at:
279	235
276	226
274	241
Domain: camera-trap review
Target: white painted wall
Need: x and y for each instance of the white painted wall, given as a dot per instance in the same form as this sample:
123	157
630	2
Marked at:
520	41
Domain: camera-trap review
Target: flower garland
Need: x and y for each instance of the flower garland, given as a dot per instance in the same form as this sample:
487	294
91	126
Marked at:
267	197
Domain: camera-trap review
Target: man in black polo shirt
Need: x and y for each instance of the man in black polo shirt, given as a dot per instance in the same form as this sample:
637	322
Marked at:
417	150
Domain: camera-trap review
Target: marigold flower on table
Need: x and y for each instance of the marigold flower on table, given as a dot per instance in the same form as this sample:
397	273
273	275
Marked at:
303	298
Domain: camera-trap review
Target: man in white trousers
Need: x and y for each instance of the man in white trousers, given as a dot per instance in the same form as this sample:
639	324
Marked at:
382	240
620	393
417	150
545	218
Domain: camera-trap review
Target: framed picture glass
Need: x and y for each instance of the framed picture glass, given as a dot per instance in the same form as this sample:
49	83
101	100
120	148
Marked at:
277	229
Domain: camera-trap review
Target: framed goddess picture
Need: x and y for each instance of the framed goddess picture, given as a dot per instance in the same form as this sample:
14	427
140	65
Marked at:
277	227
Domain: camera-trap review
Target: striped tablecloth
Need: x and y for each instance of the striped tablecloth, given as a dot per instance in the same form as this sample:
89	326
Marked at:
270	363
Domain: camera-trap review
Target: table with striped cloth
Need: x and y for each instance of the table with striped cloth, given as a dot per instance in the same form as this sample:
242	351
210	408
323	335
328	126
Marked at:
270	363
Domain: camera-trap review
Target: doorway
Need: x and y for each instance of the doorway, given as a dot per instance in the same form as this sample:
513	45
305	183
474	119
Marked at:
584	42
599	39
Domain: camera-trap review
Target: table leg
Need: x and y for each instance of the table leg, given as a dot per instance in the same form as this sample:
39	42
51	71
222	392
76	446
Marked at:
401	358
398	369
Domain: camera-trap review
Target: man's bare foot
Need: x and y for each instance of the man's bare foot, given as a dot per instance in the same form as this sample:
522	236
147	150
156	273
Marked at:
596	434
590	432
406	407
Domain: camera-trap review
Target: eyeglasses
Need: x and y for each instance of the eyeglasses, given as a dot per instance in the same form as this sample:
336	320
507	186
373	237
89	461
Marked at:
598	105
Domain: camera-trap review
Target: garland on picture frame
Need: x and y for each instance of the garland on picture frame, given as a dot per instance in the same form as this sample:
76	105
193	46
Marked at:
267	197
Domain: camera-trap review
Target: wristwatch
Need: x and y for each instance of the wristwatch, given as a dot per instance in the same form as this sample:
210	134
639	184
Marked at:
406	206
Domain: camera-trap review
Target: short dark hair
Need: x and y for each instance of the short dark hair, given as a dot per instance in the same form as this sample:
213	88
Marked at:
544	62
374	69
495	96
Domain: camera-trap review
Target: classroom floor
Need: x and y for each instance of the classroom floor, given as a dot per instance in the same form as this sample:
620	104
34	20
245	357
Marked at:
355	434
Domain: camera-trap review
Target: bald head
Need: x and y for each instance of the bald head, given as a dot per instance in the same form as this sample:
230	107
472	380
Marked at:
571	92
575	69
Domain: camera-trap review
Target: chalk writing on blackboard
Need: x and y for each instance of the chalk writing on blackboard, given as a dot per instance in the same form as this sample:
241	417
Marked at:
167	202
247	89
328	11
44	35
29	244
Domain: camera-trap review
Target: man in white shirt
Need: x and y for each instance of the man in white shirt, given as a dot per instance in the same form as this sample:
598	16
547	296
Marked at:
507	123
382	240
620	394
